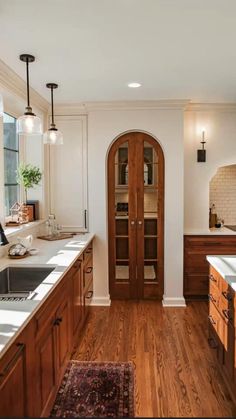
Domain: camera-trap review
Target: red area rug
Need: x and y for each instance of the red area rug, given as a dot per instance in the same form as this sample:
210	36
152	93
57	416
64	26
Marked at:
92	389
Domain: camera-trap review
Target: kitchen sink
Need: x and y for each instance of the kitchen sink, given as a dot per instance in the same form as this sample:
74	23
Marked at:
19	283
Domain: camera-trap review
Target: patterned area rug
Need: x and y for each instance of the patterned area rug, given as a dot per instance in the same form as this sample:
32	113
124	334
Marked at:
92	389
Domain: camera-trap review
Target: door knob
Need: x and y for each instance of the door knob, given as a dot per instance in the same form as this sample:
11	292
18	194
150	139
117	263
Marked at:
140	222
132	222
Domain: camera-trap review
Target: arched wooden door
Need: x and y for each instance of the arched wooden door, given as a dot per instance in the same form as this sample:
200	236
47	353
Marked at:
136	217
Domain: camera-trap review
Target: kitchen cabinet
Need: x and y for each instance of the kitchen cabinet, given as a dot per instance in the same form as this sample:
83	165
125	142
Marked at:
35	363
87	289
77	301
68	174
17	377
13	388
221	326
53	344
196	268
136	217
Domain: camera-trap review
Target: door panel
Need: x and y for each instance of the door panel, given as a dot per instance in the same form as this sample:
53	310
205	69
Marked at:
136	209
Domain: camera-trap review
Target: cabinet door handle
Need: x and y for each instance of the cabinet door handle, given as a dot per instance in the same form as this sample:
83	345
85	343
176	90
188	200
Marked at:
89	250
77	265
211	319
85	218
212	343
89	270
132	223
211	298
57	321
226	314
140	222
212	278
89	294
21	347
227	296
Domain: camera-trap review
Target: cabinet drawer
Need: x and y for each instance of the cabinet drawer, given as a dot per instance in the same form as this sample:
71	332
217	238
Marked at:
88	295
88	254
215	278
216	321
196	284
87	276
214	294
209	242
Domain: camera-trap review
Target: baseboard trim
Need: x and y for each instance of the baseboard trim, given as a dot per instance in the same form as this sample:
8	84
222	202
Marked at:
101	301
173	302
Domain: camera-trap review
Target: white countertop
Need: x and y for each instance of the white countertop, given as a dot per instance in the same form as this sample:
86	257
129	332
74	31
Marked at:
226	266
60	254
210	232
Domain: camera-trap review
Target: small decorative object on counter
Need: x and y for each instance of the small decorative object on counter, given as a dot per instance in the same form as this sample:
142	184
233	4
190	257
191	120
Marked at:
212	216
17	251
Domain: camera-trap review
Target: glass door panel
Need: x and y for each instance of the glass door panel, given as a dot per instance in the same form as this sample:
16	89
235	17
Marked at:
150	239
122	213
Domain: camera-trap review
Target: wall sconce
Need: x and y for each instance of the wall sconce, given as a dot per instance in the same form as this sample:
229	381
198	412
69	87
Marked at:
201	154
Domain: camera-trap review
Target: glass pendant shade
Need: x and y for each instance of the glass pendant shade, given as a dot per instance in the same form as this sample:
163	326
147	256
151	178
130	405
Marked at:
53	137
29	125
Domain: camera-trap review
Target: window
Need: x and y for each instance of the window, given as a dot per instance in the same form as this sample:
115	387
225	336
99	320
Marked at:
11	162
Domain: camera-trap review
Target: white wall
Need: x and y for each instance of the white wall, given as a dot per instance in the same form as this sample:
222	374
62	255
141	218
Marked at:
220	128
167	126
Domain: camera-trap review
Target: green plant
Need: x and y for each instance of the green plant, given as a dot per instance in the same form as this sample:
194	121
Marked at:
28	176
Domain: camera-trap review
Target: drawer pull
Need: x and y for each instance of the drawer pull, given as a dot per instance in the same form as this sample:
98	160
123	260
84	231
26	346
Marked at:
226	314
57	321
77	264
89	294
88	251
227	296
211	319
89	270
212	343
212	278
211	298
8	367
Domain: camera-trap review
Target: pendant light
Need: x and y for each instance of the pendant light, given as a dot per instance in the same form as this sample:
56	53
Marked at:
52	136
29	123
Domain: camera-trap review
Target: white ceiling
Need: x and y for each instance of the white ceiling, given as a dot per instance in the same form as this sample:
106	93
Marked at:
177	49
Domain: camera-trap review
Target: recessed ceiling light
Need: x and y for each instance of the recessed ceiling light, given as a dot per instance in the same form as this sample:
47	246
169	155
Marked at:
134	85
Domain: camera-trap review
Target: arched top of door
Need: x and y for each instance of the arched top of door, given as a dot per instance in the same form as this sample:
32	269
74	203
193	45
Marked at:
124	137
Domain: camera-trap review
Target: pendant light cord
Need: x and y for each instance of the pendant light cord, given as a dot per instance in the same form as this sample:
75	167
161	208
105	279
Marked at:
27	79
52	105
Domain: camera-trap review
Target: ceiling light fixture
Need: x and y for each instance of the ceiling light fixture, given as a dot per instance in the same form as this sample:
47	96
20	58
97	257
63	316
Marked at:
28	123
52	135
134	85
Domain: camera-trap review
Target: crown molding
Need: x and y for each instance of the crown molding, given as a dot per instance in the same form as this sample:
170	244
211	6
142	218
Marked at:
219	107
121	105
13	83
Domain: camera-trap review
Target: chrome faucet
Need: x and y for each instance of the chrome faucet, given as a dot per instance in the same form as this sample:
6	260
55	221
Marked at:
3	239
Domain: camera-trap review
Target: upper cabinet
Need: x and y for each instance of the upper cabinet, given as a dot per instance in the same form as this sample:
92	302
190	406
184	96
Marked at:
68	174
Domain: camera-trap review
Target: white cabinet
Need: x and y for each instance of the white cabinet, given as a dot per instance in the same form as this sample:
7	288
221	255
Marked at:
68	173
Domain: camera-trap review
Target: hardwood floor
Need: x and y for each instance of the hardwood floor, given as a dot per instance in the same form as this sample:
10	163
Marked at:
175	370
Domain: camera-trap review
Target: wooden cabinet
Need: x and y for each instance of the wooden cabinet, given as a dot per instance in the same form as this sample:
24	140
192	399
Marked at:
136	217
221	317
87	288
13	386
53	344
77	300
68	173
32	368
196	248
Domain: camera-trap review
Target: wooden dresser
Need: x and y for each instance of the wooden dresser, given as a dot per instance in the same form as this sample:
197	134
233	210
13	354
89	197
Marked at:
221	323
196	268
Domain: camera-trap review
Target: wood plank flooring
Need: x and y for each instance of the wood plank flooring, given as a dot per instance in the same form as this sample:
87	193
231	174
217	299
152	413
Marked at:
175	370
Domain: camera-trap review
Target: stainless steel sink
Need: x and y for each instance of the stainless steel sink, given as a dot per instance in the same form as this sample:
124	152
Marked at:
18	283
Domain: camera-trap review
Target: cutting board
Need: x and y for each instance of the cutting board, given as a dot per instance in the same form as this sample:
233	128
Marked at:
60	236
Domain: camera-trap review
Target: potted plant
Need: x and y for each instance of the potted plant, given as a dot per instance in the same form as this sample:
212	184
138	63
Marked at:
28	176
